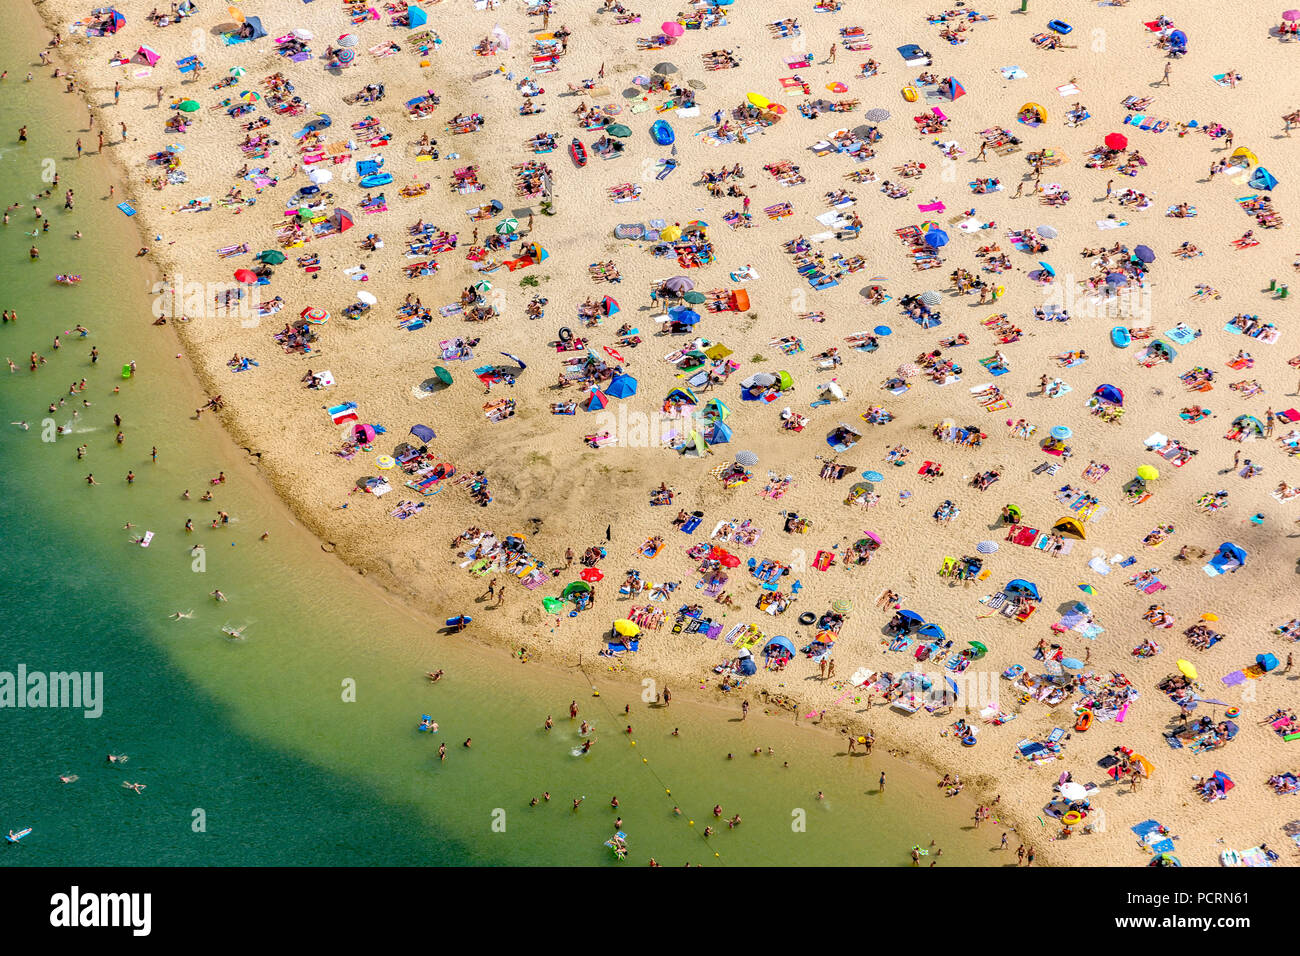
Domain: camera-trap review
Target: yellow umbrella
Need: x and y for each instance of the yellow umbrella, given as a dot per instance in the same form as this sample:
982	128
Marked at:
1148	472
1209	616
1187	669
759	100
671	234
626	628
237	13
385	462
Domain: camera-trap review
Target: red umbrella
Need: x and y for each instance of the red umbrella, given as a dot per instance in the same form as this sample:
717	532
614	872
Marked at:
246	275
592	574
614	354
1116	141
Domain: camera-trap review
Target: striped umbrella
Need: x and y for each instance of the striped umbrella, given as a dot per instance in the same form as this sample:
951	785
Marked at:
842	605
1047	232
746	458
345	55
348	40
877	115
930	298
986	547
482	286
237	71
507	226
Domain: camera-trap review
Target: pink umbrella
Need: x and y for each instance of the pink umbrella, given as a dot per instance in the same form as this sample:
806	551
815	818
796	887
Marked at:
672	29
1291	15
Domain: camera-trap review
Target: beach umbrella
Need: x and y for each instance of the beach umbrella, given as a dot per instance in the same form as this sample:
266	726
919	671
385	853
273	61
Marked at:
1116	278
385	462
1073	791
443	375
1209	616
516	359
320	177
235	12
237	71
272	256
883	330
930	298
1148	472
877	115
872	536
246	275
936	238
506	226
367	297
746	458
348	40
679	284
759	100
671	234
303	34
842	605
694	298
1061	432
980	646
611	306
909	370
619	130
1047	267
1047	232
986	547
665	68
626	628
1188	669
1145	254
1291	15
188	106
873	476
1073	663
345	55
482	285
314	314
1115	141
1086	588
685	316
592	574
250	96
671	28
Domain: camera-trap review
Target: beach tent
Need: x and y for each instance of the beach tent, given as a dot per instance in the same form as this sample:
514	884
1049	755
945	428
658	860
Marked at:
662	133
780	646
1229	552
1177	42
112	22
784	381
719	433
423	432
931	630
149	55
1266	661
1249	422
716	409
577	587
1165	349
1036	110
258	30
1021	586
596	400
1261	178
952	88
739	301
1241	156
621	386
1071	526
363	433
418	17
1109	394
682	395
343	219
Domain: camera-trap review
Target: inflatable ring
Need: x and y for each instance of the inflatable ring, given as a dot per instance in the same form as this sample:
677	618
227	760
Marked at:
807	617
1232	712
968	741
1071	817
910	94
1084	721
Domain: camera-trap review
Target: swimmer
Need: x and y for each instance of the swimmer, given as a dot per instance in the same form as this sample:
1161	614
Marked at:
234	633
23	425
181	615
117	758
435	676
137	787
218	595
68	778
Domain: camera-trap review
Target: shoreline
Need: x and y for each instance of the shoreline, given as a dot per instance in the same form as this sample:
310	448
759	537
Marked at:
833	726
415	575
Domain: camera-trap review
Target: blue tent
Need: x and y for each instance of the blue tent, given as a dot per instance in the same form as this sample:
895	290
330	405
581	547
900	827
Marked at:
1266	661
718	434
911	616
1178	40
621	386
931	630
662	133
1028	587
1230	552
777	644
418	17
1261	178
1110	394
256	24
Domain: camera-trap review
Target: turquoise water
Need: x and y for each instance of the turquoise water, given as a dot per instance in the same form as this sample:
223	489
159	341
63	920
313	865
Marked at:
253	738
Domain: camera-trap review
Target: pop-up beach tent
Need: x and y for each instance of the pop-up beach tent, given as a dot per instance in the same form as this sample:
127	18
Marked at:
1261	178
1039	113
1249	423
418	17
1109	394
952	88
256	24
719	433
1242	156
781	647
343	219
621	386
148	54
1021	586
1068	525
1228	557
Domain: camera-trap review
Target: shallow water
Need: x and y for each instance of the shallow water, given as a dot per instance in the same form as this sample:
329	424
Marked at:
248	749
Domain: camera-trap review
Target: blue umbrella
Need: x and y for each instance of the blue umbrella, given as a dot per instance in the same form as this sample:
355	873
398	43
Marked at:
1073	663
936	238
1020	584
1062	432
1047	267
883	330
873	476
911	616
516	359
1116	278
621	386
1144	253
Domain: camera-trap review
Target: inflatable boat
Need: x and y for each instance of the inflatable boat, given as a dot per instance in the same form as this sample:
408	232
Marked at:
578	152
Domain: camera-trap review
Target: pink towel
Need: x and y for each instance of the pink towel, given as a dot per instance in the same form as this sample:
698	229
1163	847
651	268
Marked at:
932	207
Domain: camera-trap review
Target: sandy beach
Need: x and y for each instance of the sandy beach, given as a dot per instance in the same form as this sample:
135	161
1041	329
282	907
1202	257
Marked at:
538	465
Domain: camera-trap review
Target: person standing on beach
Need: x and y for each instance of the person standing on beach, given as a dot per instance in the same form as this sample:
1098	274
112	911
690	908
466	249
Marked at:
882	781
1029	857
744	709
1165	79
1020	854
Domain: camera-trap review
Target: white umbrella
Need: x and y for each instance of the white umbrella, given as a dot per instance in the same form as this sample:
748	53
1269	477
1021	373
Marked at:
320	176
1073	791
367	298
834	389
986	547
930	298
348	40
302	34
746	458
1047	232
501	36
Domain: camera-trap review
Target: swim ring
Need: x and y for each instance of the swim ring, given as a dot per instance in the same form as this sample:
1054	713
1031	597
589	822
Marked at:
968	741
1084	721
807	617
910	94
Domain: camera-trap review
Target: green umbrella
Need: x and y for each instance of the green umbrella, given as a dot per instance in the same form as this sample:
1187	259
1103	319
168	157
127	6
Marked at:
483	286
188	106
443	375
237	71
272	256
507	226
983	649
618	129
695	298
